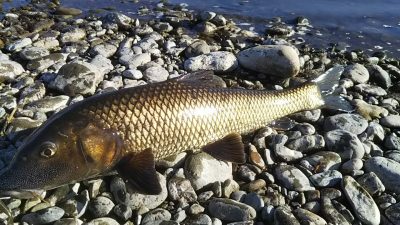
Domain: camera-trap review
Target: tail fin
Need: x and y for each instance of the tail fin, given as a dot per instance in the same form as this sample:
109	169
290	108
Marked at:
327	84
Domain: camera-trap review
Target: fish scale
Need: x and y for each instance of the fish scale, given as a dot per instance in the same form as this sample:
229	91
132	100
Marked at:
175	116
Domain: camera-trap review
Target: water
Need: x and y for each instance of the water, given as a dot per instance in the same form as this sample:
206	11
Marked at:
372	24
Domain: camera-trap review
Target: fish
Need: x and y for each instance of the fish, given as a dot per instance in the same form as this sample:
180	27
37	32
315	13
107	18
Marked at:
129	129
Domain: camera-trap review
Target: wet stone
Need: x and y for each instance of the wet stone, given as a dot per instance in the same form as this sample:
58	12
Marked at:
327	178
101	206
230	210
362	203
254	200
44	216
387	170
349	122
345	143
307	116
123	21
68	11
292	178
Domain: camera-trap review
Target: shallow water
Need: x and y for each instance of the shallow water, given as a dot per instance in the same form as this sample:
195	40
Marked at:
374	25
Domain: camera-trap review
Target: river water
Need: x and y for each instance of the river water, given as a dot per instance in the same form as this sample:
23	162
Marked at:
370	25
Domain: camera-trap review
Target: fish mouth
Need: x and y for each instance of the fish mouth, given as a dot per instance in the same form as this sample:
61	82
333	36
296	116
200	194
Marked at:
21	194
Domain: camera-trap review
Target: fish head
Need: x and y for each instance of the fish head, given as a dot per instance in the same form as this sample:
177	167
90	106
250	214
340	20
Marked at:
62	151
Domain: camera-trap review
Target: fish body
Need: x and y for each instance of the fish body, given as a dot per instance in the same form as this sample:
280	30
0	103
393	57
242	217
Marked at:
129	129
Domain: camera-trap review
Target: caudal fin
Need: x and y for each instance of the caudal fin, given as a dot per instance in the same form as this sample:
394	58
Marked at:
327	84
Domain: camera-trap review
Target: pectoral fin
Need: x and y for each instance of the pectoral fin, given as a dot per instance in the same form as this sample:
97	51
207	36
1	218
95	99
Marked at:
139	170
230	148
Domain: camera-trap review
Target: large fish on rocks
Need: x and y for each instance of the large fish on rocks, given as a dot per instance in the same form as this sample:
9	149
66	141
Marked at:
127	130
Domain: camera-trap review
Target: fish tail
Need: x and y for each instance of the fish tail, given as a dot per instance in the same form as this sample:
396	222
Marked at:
327	83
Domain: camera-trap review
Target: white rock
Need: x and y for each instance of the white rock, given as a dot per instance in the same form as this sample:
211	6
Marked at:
9	70
133	74
18	45
106	50
155	74
102	63
276	60
217	61
133	61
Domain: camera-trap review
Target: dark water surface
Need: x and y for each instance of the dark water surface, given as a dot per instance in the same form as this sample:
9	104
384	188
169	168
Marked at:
372	24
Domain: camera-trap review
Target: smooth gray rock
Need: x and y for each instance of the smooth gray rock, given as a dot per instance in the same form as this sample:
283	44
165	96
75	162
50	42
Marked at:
155	74
134	61
73	35
19	44
308	217
331	214
32	53
197	48
357	73
392	142
370	89
345	143
387	170
284	216
101	206
69	221
103	64
49	103
362	203
123	212
353	123
103	221
123	21
156	216
324	160
133	74
203	170
180	189
254	200
392	121
43	216
230	210
217	61
393	213
327	178
292	178
380	76
307	143
200	219
43	63
9	70
371	183
277	60
107	50
287	154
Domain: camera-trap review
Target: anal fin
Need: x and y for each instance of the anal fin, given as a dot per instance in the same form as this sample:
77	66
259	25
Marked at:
230	148
139	170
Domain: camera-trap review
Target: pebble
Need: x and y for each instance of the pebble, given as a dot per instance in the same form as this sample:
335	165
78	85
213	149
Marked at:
9	70
43	63
254	200
44	216
123	212
180	189
352	164
327	178
103	64
352	123
32	53
287	154
134	61
68	221
78	78
292	178
277	60
362	203
199	47
203	170
309	116
107	50
123	21
68	11
345	143
387	170
73	35
196	209
370	89
357	73
156	216
371	183
103	221
392	142
307	143
331	214
133	74
391	121
230	210
392	213
199	219
307	217
49	103
380	76
284	216
155	74
219	62
101	206
324	160
18	45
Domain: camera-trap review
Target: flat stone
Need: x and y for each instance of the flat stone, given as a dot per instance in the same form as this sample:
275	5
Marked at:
68	11
19	44
230	210
276	60
68	221
371	183
101	206
284	216
370	89
324	161
357	73
134	61
307	143
393	213
44	216
197	48
307	217
155	74
349	122
203	170
41	64
387	170
103	221
327	178
107	50
156	216
73	35
49	103
362	203
103	64
217	61
391	121
9	70
32	53
292	178
345	143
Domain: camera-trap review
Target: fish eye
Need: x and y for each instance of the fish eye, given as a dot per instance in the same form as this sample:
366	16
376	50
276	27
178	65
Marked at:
48	149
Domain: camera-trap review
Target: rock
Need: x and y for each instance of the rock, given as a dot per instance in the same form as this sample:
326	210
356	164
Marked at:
133	74
100	206
103	64
49	103
107	50
307	143
352	123
370	89
292	178
277	60
103	221
199	47
387	170
9	70
78	78
32	53
217	61
68	11
284	216
19	44
375	132
351	165
134	61
156	216
371	183
346	144
254	200
230	210
280	30
44	216
331	214
155	74
327	178
391	121
123	21
357	73
20	124
324	161
123	212
307	116
32	93
47	43
41	64
69	221
140	201
368	111
307	217
379	75
203	170
76	206
200	219
287	154
180	189
392	142
393	213
73	35
362	203
245	173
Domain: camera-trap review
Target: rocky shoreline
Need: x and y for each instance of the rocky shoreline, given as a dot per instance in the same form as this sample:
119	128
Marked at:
328	167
